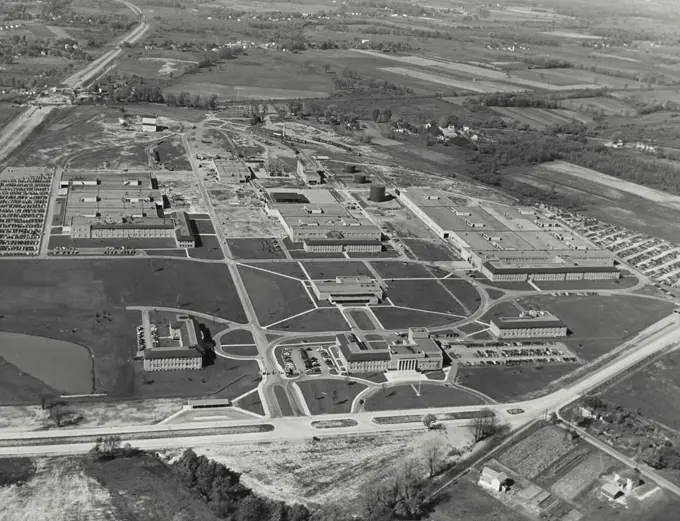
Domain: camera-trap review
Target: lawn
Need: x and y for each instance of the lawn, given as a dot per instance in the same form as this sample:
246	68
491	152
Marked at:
599	323
260	248
654	390
207	247
588	285
273	297
66	299
465	292
362	320
251	402
495	294
430	250
292	268
282	399
182	254
509	384
237	336
401	270
317	321
405	397
401	319
428	295
330	270
329	396
464	500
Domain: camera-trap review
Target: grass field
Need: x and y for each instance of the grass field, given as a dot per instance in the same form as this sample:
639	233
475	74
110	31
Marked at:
465	292
66	299
401	270
653	390
540	119
207	247
599	323
251	402
329	396
608	106
238	336
274	298
316	321
362	320
406	397
568	285
282	399
330	270
255	248
397	318
607	198
508	384
430	250
428	295
465	500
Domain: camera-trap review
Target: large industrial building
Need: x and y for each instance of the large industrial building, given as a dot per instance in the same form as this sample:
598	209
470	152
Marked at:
417	352
510	243
231	171
325	225
109	205
534	325
348	290
182	349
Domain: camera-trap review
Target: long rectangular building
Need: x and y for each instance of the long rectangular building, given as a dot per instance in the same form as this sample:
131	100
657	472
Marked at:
539	326
508	243
348	290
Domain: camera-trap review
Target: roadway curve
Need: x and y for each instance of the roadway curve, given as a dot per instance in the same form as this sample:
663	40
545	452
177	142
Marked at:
650	342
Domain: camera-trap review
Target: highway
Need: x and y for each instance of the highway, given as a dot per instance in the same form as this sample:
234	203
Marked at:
14	134
649	342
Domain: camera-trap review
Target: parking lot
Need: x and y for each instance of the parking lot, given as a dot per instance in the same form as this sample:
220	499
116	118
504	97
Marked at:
23	205
311	360
510	353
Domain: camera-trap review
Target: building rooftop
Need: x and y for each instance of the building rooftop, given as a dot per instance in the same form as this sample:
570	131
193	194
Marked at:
341	240
545	320
354	350
184	231
348	286
157	354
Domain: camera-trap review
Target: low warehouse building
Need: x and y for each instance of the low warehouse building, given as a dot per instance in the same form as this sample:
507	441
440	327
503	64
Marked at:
542	325
348	290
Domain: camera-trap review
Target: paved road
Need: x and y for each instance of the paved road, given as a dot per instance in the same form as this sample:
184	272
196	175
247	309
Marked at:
651	341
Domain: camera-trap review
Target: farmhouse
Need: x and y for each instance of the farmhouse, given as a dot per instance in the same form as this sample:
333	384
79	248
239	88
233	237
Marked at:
417	352
348	290
492	480
510	243
182	349
149	124
542	325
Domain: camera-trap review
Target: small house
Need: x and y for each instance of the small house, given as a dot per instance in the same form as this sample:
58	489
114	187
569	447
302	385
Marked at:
611	491
492	480
627	480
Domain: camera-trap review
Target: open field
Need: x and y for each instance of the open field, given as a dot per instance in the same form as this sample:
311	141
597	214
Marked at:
83	302
406	397
599	323
607	198
428	295
608	106
509	384
330	270
540	119
329	396
274	298
264	248
398	318
654	391
562	285
464	499
429	250
401	270
317	321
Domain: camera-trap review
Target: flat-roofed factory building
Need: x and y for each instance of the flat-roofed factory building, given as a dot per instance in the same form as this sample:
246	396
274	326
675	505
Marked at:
184	234
417	352
540	325
348	290
231	171
324	225
182	349
508	243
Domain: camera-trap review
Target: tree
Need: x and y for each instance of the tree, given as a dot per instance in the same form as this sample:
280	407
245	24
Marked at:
433	451
326	67
429	420
484	426
375	114
252	508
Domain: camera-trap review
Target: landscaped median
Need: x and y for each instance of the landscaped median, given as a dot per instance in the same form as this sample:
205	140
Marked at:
418	418
333	424
175	433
